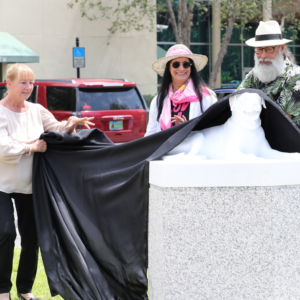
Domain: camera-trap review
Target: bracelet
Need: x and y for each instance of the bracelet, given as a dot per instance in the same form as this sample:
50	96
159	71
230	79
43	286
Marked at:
29	153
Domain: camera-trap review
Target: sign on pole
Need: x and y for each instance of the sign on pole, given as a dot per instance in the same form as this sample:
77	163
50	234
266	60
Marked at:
78	57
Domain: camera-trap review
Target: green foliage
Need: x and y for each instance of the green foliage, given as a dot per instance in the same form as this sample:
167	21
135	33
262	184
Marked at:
287	11
148	98
200	6
40	288
226	77
125	16
139	15
246	11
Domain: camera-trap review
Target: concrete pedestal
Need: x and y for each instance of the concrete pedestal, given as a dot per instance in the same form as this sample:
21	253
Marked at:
238	240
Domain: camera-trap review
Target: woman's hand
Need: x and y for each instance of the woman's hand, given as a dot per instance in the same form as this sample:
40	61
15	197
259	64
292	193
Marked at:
74	121
178	120
38	146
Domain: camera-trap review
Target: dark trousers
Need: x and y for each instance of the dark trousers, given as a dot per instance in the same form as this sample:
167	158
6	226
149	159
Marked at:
29	242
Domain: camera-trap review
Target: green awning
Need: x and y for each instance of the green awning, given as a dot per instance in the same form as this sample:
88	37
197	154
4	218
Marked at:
161	52
12	50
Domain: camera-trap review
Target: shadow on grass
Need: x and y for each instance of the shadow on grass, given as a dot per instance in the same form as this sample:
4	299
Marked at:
40	288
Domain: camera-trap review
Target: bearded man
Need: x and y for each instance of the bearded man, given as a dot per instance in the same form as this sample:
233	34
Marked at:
273	72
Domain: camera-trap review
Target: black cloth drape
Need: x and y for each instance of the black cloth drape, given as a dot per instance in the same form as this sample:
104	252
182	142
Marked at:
91	203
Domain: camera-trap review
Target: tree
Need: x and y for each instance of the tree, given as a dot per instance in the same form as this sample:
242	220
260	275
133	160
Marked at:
287	13
128	15
231	11
182	24
132	15
124	16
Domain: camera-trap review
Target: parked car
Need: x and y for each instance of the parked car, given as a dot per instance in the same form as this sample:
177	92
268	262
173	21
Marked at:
119	109
223	92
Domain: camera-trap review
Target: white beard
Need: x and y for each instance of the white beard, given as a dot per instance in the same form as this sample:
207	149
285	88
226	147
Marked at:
268	73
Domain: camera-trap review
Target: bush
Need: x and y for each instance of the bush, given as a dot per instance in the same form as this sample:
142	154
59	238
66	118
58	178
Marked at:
148	99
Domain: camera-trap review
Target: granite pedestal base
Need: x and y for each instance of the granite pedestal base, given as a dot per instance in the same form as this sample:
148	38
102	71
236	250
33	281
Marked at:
226	242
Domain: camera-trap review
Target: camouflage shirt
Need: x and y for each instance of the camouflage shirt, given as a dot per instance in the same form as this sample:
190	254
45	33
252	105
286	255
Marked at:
284	90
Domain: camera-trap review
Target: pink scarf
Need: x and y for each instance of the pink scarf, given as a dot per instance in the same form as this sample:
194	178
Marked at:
185	94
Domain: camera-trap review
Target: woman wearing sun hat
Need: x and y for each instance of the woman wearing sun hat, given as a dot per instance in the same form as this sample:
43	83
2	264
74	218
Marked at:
183	94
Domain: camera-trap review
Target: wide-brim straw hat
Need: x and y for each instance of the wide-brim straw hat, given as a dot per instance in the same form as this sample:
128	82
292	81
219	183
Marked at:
175	51
267	34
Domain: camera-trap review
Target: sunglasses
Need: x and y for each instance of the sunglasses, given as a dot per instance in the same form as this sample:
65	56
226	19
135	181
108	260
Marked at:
185	64
269	50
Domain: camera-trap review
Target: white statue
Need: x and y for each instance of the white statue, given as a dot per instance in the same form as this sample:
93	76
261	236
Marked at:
241	137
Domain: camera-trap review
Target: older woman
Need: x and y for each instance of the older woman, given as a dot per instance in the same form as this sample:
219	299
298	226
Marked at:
183	94
21	124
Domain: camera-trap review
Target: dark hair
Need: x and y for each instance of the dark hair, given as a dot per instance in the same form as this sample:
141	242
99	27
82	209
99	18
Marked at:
166	81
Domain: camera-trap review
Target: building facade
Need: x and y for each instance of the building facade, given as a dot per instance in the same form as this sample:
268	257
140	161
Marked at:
49	28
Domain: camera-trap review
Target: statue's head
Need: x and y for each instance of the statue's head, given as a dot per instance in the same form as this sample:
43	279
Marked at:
247	105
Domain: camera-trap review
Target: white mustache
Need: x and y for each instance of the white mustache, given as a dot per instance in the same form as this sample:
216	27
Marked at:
265	59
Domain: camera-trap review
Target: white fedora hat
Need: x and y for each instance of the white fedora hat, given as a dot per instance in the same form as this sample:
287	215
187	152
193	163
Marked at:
175	51
267	34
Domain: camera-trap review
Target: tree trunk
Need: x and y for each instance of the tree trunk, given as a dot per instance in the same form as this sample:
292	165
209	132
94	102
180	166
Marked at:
173	20
181	28
188	12
223	50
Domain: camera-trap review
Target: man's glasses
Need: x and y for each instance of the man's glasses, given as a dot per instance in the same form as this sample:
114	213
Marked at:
269	50
185	64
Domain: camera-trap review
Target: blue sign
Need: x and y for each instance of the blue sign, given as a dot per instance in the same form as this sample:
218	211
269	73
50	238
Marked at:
78	57
78	52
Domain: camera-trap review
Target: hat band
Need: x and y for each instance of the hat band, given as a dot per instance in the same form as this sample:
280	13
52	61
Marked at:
264	37
178	51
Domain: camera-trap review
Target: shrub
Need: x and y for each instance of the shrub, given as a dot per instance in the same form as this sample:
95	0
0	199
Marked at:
148	99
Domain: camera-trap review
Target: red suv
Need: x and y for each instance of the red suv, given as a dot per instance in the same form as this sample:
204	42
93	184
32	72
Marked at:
119	109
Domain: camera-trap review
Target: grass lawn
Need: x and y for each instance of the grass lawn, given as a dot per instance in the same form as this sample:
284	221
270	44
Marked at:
40	288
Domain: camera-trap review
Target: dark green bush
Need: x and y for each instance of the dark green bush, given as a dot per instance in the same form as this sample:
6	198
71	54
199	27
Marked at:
148	99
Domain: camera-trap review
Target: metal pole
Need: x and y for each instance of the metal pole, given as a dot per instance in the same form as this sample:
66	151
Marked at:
78	69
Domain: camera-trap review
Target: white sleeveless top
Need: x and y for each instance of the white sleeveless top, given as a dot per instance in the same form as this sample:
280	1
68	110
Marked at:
16	130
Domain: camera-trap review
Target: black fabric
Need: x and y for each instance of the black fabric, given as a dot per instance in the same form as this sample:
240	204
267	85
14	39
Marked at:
264	37
29	253
91	202
92	219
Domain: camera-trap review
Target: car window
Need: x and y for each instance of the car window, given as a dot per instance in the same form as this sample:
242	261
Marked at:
61	98
223	94
32	97
219	95
109	99
2	91
226	94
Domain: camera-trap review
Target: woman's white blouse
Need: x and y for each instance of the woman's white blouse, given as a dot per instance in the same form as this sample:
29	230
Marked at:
17	130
